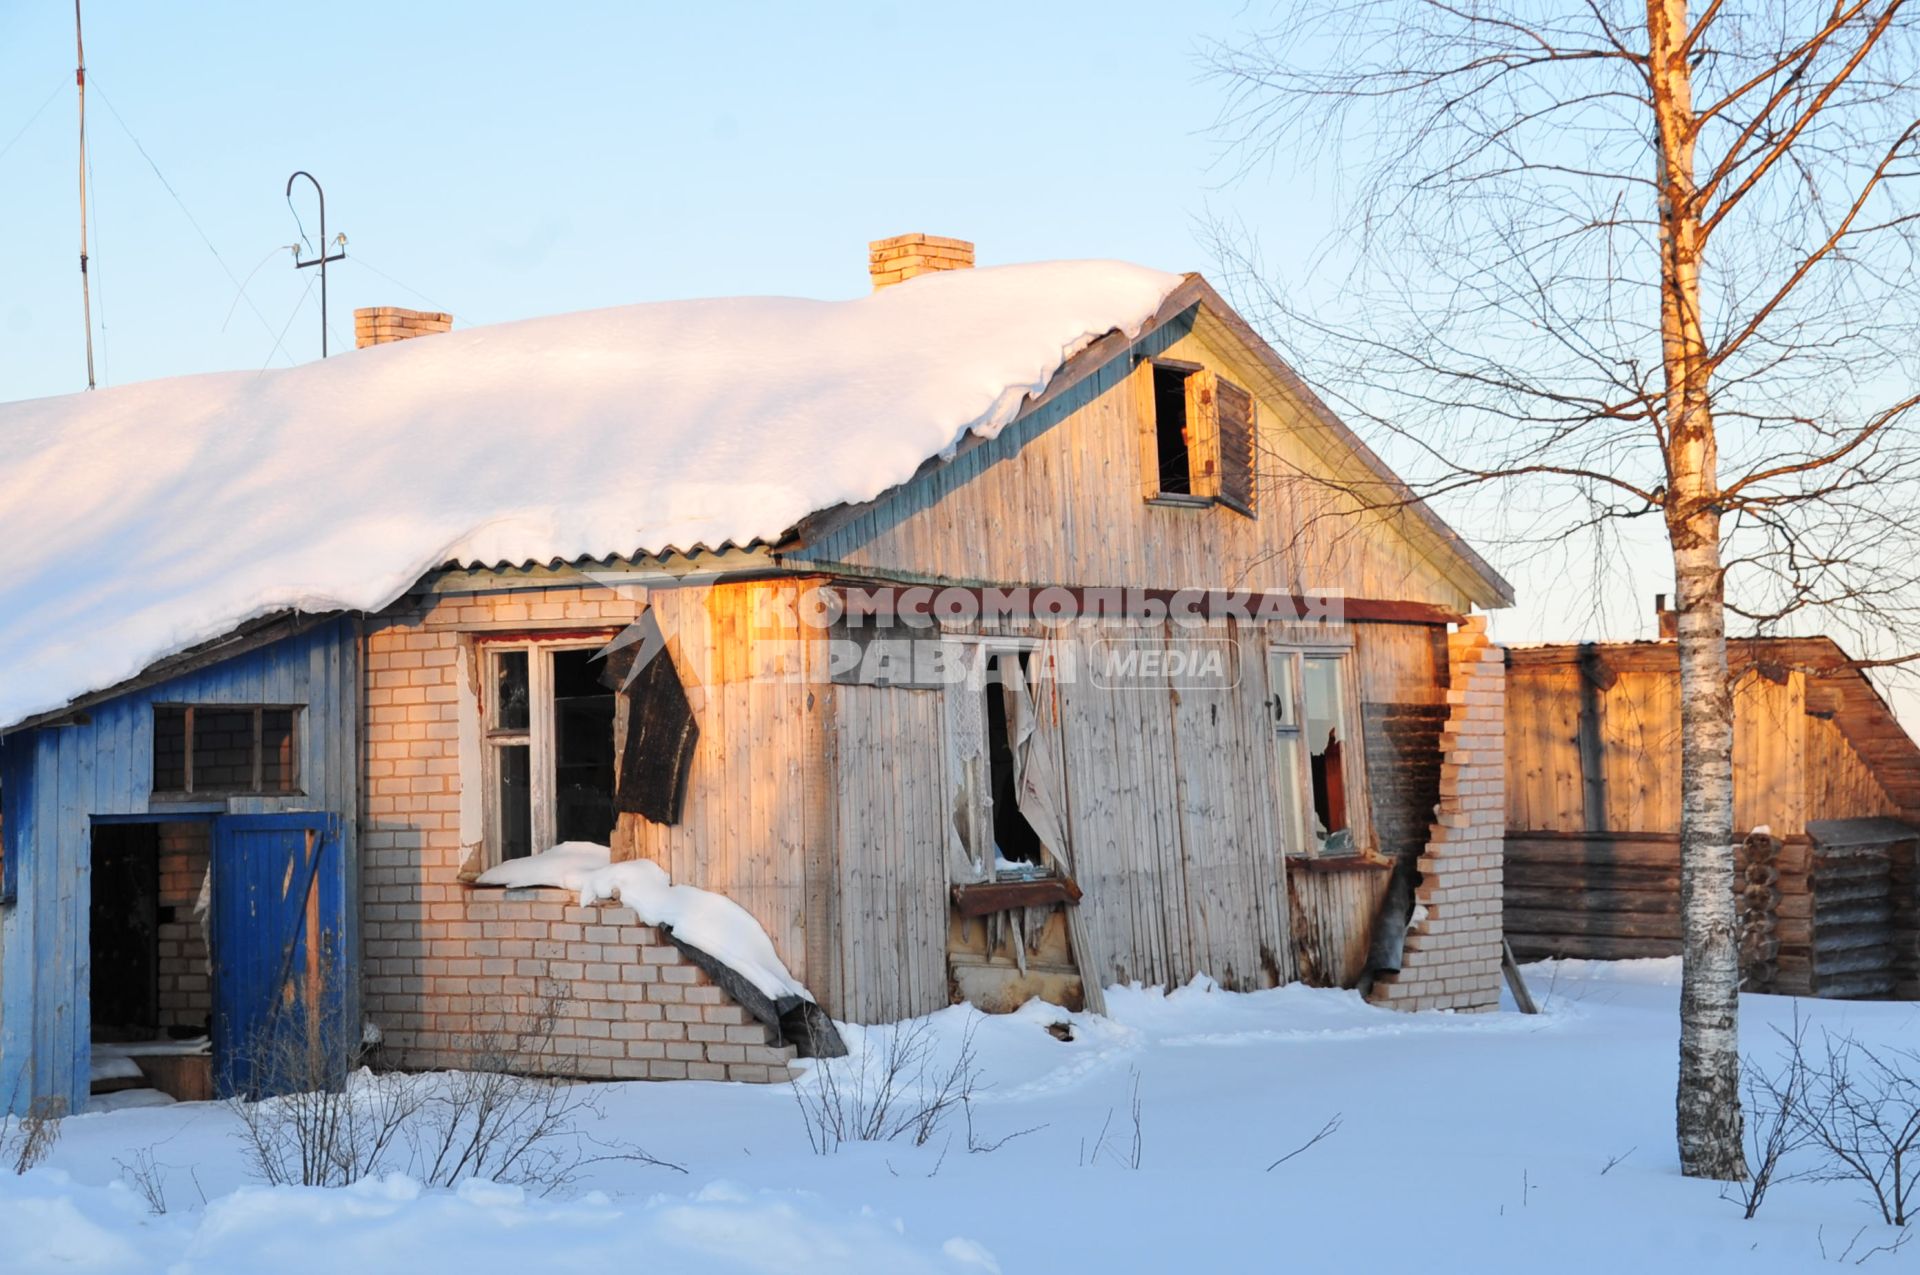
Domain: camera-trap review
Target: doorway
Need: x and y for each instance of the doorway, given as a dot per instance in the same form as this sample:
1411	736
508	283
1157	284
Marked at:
150	977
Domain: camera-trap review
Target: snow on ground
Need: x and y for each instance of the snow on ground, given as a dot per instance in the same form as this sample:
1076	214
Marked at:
1466	1143
711	922
141	519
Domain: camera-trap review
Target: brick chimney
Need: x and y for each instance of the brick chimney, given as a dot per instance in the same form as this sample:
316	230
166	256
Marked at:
1665	618
379	324
904	257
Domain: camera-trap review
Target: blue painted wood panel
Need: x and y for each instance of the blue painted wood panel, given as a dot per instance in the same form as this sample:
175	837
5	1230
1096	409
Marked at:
55	780
279	929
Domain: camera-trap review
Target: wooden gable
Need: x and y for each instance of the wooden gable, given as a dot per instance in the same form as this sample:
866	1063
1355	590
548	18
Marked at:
1069	494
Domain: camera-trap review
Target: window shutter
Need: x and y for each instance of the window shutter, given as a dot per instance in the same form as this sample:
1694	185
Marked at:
1140	393
661	735
1203	432
1233	408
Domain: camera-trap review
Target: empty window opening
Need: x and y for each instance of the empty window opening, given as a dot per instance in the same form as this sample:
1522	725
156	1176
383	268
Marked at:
1017	847
150	978
225	749
1171	429
550	728
583	712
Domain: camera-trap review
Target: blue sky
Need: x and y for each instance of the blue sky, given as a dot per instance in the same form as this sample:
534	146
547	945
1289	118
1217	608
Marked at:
507	160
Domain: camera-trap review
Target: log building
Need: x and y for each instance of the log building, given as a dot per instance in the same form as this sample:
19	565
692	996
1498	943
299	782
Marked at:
1826	796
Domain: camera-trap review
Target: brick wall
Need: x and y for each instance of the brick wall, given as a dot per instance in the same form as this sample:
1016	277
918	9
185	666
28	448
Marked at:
1452	956
186	989
444	960
628	1004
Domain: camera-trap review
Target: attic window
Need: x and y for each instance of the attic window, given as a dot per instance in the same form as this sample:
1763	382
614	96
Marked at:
1197	436
209	750
1174	445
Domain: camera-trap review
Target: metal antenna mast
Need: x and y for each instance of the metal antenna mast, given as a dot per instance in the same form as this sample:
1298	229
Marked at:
323	258
86	289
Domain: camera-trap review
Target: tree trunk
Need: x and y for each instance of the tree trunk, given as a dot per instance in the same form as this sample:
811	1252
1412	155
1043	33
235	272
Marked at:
1709	1122
1708	1104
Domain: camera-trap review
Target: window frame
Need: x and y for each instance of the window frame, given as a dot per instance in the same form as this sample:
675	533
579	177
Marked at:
981	650
189	791
1206	460
539	735
1287	718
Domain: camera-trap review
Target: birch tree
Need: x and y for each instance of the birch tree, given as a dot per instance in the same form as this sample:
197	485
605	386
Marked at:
1629	259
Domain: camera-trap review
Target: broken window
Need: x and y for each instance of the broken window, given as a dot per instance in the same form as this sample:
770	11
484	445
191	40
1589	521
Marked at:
1318	755
218	750
1017	849
549	736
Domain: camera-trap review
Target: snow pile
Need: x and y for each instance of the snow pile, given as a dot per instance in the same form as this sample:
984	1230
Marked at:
1537	1142
699	918
140	520
394	1224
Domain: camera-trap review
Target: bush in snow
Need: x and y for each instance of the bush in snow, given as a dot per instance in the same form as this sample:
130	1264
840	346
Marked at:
500	1115
1861	1108
1776	1111
25	1142
897	1090
1854	1109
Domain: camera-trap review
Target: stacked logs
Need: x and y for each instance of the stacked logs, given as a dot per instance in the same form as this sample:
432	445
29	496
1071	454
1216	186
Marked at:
1757	872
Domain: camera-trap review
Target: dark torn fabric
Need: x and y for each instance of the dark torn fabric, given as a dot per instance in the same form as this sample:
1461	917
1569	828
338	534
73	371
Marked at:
794	1020
661	734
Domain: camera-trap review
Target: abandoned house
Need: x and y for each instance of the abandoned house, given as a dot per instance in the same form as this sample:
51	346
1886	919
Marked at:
690	581
1826	786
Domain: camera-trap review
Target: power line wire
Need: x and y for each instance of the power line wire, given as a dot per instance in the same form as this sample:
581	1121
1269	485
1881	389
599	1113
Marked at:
360	258
241	290
188	213
32	119
298	306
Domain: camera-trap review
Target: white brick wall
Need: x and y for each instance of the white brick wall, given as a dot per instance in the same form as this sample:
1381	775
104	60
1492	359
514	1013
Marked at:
1452	957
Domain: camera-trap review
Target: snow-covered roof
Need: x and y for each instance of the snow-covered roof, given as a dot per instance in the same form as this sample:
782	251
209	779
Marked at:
141	520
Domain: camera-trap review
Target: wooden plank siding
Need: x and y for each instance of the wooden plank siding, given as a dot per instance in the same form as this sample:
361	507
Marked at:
56	780
1172	811
894	809
1059	498
1789	767
755	786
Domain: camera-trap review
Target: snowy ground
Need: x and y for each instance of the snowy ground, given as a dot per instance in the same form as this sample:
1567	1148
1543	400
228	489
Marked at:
1464	1143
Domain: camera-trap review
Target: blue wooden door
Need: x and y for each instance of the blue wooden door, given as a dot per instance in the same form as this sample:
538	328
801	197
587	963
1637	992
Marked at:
280	980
